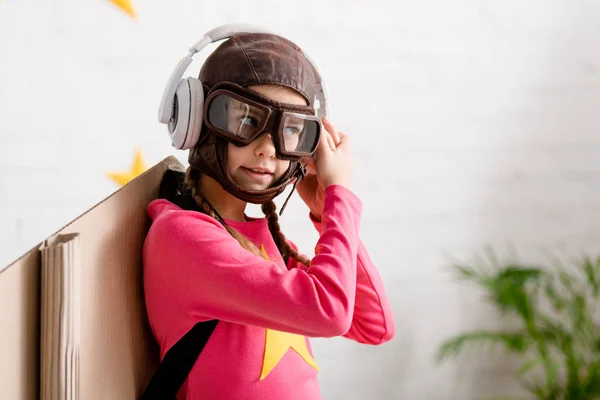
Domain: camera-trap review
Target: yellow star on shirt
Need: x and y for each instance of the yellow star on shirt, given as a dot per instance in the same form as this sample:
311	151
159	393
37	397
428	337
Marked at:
125	5
138	167
277	344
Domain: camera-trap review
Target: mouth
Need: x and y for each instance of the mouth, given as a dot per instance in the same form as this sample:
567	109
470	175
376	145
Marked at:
261	175
263	171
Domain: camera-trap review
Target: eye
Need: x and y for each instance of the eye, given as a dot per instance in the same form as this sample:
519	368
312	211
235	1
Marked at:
292	130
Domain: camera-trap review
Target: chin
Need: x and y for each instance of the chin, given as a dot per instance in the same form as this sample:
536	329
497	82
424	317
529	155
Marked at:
256	187
250	185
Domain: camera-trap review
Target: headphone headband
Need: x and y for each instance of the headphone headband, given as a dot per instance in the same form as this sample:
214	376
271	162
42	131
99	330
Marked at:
166	108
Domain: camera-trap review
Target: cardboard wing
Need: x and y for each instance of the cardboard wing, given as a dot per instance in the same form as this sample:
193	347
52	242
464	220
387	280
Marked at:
60	312
80	321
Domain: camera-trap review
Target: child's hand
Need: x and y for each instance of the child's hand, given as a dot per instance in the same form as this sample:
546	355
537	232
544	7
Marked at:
331	166
332	162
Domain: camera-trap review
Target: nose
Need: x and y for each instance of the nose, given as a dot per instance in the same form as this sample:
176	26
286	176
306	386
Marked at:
265	146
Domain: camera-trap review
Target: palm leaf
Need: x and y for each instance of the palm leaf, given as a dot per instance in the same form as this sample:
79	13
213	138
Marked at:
512	341
591	274
564	339
591	383
527	366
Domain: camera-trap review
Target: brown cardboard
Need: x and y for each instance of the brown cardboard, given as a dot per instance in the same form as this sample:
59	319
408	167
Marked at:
118	353
19	328
60	312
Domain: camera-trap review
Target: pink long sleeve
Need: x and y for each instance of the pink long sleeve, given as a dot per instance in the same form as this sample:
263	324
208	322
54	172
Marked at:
372	320
212	277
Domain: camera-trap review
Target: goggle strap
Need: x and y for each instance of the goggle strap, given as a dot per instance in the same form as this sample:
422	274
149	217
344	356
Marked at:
301	173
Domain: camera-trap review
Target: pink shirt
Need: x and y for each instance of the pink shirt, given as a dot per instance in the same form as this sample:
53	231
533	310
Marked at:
195	271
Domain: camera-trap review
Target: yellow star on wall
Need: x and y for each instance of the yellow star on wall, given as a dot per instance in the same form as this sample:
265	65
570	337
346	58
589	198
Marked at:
277	344
126	6
138	167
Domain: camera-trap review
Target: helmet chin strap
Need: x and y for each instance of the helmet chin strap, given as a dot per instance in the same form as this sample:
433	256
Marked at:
300	173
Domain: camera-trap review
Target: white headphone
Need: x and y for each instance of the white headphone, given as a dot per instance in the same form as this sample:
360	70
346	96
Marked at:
183	99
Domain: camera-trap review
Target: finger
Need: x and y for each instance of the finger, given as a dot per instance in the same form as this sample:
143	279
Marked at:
343	138
323	146
332	130
331	142
309	162
335	134
345	143
326	135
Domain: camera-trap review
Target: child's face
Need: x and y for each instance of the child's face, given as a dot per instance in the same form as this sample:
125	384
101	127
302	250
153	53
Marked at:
260	154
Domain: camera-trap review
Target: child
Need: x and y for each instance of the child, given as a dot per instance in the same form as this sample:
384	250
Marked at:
206	260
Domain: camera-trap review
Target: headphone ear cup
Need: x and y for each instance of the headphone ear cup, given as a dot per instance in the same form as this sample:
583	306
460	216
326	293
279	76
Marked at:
186	123
178	124
196	117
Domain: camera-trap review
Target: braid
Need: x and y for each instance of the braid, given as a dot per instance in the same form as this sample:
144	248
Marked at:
192	177
284	247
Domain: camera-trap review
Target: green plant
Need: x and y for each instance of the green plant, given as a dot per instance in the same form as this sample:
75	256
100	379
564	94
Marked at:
556	335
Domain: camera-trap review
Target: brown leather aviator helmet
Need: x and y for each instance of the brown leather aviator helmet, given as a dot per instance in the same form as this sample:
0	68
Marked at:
245	60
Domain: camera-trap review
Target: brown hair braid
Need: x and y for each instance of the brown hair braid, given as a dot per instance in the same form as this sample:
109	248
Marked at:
192	177
284	247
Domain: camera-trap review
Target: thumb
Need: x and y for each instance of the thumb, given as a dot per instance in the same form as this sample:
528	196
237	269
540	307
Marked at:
308	161
310	165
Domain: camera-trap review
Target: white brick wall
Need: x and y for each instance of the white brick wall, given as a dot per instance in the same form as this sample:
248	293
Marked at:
475	123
